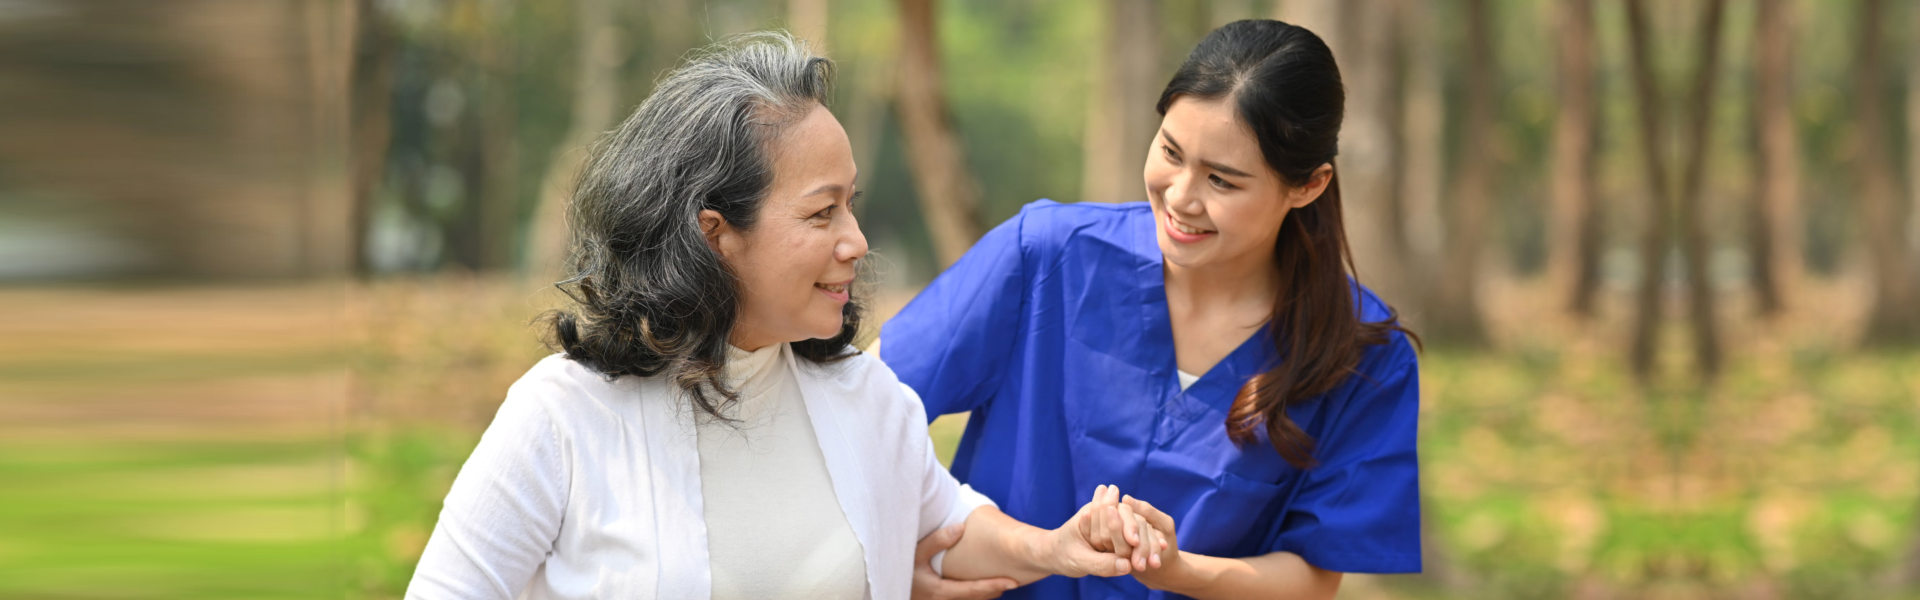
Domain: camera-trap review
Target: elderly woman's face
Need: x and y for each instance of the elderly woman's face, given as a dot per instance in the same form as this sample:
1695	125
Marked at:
796	265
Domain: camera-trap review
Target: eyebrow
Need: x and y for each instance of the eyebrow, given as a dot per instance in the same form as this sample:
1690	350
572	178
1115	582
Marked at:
828	188
831	187
1210	164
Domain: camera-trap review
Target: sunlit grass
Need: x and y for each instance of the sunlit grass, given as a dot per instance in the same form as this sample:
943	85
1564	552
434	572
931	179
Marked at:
274	472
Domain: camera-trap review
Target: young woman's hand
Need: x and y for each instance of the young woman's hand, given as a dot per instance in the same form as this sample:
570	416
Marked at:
1167	560
1109	526
1105	538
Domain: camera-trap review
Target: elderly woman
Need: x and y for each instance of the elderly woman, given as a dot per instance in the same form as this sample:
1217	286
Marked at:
707	431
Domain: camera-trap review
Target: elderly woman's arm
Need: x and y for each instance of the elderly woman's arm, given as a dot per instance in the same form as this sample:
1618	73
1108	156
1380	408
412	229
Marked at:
503	513
993	544
996	545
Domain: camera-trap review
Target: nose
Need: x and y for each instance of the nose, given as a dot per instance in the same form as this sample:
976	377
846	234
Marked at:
853	245
1178	196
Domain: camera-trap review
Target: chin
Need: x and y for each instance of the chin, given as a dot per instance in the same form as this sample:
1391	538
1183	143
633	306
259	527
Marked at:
826	330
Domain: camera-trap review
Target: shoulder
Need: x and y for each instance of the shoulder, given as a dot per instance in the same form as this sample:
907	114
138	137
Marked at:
1049	232
1044	222
1397	353
574	396
867	389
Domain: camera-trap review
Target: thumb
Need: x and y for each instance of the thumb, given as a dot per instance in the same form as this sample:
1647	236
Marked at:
937	542
1090	561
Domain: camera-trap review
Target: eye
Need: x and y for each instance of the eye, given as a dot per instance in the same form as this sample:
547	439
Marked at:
1220	183
855	198
825	213
1171	157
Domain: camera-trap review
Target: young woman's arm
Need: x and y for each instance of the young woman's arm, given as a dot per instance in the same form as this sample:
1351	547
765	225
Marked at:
1284	574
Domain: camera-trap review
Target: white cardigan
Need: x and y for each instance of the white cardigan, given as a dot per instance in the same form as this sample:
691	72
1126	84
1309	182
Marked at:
589	488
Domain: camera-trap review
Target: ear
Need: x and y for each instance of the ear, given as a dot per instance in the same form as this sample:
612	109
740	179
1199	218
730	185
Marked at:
1316	185
719	233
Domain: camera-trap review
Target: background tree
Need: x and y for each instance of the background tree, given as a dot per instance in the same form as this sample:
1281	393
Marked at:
1453	314
947	192
1573	247
1776	246
596	100
1894	316
1121	122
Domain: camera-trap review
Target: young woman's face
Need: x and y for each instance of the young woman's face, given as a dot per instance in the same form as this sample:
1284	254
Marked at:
796	266
1215	200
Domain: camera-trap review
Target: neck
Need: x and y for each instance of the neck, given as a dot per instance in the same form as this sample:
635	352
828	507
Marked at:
1241	280
746	339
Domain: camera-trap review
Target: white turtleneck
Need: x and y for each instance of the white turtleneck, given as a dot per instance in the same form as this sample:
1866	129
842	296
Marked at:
774	526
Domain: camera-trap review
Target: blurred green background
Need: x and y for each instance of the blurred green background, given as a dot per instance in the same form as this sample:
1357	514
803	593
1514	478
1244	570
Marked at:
270	265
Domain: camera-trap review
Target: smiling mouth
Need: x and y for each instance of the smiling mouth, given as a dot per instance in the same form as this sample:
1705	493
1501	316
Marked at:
1185	228
837	288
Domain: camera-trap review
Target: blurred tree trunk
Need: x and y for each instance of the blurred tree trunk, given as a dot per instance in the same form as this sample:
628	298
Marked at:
595	96
1895	317
1653	248
1454	314
1668	210
1776	240
1322	17
1423	141
946	189
1368	167
1573	264
1692	212
491	213
808	20
1913	142
371	110
1121	121
1361	34
324	222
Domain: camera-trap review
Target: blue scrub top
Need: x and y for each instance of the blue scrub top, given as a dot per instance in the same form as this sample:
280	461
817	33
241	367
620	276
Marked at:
1053	330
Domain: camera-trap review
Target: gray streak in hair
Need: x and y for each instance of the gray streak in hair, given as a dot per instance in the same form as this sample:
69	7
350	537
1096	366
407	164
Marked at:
650	296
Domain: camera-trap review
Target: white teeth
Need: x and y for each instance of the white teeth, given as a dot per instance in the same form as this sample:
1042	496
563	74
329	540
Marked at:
1183	228
831	288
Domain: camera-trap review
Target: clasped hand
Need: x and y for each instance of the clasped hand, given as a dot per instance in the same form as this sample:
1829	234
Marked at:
1111	535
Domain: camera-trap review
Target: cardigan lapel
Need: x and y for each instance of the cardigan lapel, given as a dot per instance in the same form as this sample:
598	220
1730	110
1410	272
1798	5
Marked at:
844	463
673	457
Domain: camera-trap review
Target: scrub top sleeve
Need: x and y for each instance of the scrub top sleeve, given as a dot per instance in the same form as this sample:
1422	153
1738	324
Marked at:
954	342
1358	511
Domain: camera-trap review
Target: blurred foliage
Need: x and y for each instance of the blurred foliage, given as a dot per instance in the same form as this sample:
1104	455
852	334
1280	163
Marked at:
1548	471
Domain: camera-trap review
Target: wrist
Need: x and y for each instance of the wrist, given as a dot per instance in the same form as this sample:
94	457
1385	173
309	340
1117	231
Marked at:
1181	575
1037	550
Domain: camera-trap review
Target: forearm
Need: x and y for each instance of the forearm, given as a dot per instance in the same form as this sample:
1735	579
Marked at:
1276	575
996	545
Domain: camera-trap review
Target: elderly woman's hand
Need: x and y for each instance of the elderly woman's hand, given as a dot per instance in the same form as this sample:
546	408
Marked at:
1106	538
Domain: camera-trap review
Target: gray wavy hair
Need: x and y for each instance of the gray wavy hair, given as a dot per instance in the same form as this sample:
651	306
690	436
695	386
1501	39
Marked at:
650	296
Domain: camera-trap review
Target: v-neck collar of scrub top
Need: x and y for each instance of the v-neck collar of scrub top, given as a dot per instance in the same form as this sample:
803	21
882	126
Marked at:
1216	388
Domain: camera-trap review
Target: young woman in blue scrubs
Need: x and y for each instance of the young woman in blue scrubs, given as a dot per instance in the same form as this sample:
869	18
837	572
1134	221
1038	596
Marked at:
1206	350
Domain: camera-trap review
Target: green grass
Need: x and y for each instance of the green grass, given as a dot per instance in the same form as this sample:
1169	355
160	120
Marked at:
1547	471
